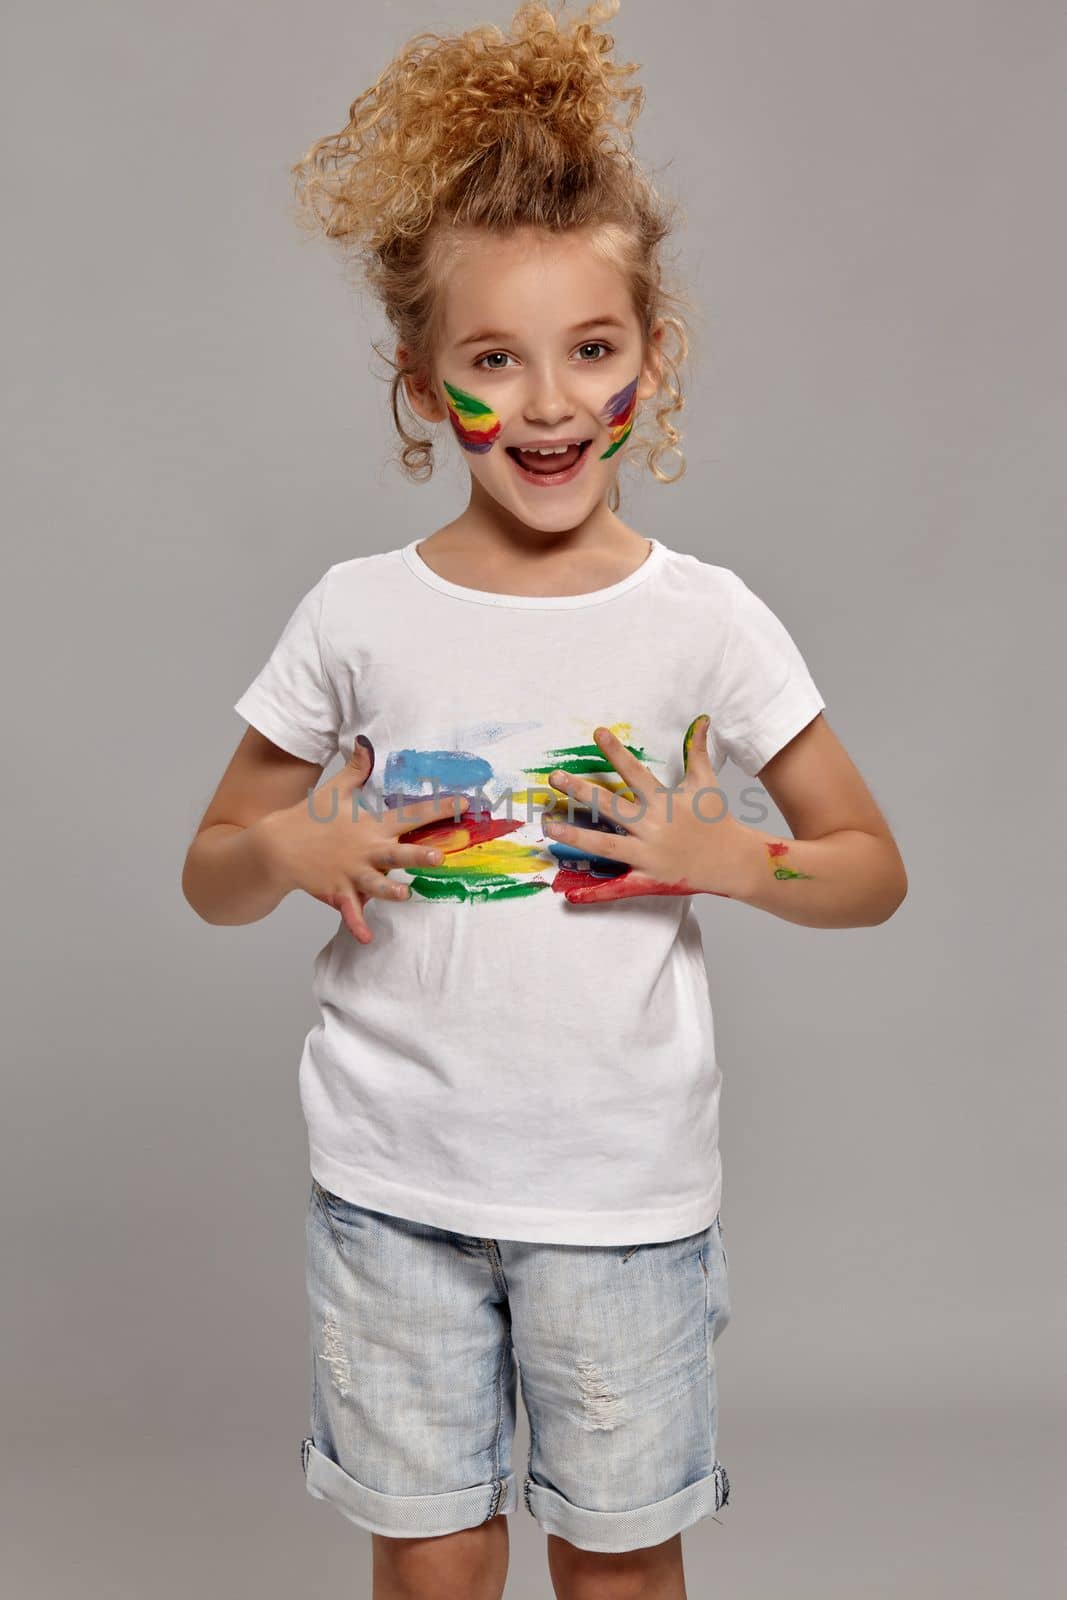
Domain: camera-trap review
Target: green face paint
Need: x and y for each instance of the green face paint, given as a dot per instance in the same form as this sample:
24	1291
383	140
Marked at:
475	424
619	415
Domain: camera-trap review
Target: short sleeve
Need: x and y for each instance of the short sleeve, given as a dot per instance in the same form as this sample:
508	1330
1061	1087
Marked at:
764	693
291	699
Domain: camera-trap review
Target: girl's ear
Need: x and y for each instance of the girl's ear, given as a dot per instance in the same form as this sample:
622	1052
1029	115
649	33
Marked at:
419	391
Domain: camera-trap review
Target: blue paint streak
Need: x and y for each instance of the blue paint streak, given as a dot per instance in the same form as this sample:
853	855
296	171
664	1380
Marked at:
599	866
406	771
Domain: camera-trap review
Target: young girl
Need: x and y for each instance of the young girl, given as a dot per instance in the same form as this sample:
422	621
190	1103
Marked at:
512	1093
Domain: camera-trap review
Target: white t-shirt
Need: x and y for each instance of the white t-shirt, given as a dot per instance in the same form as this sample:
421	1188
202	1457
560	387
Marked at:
498	1061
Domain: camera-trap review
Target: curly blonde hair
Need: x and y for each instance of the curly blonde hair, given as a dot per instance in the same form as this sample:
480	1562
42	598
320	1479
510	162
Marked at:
499	131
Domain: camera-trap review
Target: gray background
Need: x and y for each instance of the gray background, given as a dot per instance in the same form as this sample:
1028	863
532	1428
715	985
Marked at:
194	431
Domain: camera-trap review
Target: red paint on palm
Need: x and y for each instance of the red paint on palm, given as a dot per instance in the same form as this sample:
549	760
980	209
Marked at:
626	886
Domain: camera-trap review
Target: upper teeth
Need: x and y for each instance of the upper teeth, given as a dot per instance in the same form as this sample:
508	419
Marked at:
555	450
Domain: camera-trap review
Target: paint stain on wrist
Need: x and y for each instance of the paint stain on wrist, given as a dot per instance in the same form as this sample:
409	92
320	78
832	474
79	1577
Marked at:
776	853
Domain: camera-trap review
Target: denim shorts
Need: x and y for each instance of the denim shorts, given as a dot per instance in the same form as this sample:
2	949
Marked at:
416	1335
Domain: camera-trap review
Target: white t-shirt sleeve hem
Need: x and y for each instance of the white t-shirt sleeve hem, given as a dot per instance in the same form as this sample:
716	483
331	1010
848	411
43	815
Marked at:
791	709
256	709
291	700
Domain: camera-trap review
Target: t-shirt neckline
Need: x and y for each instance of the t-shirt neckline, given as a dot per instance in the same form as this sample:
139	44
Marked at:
539	602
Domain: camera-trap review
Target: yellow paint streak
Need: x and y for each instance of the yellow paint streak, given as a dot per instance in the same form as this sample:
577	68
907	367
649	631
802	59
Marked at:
598	781
498	855
457	839
538	796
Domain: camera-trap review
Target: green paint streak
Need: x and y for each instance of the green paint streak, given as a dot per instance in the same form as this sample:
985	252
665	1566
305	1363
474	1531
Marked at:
467	402
575	765
610	451
581	758
788	872
468	874
476	888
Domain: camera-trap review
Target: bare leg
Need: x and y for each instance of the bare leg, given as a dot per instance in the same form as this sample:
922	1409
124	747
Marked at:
654	1573
469	1565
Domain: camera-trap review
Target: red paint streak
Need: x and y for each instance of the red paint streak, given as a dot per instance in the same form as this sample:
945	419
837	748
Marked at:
478	827
626	886
777	849
566	878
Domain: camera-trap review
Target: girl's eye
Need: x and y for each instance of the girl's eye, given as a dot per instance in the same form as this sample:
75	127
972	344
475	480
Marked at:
495	360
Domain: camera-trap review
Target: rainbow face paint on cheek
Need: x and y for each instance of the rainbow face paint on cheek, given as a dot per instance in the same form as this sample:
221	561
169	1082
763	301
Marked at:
475	424
619	416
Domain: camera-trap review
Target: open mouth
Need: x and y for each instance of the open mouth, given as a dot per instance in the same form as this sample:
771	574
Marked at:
558	467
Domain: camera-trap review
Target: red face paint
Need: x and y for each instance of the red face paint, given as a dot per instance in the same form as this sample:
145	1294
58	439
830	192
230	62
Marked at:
475	424
619	415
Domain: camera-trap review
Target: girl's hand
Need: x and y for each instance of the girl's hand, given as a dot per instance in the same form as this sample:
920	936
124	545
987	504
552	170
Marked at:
680	841
339	851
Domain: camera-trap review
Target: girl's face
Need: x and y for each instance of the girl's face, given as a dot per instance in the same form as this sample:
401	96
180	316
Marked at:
540	347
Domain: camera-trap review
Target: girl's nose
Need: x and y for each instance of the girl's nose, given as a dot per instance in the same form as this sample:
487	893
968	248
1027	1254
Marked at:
547	401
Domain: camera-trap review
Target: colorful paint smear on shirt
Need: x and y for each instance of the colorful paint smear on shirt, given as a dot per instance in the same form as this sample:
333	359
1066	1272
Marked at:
478	868
629	883
586	759
578	865
480	862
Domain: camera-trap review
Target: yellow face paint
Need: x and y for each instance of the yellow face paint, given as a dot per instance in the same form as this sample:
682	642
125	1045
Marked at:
619	415
475	424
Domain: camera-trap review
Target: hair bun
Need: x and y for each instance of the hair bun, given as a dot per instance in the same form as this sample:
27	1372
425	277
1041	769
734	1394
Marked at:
561	80
552	94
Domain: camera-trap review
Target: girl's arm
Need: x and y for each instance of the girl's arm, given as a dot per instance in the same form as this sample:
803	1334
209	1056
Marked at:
841	868
260	838
230	875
